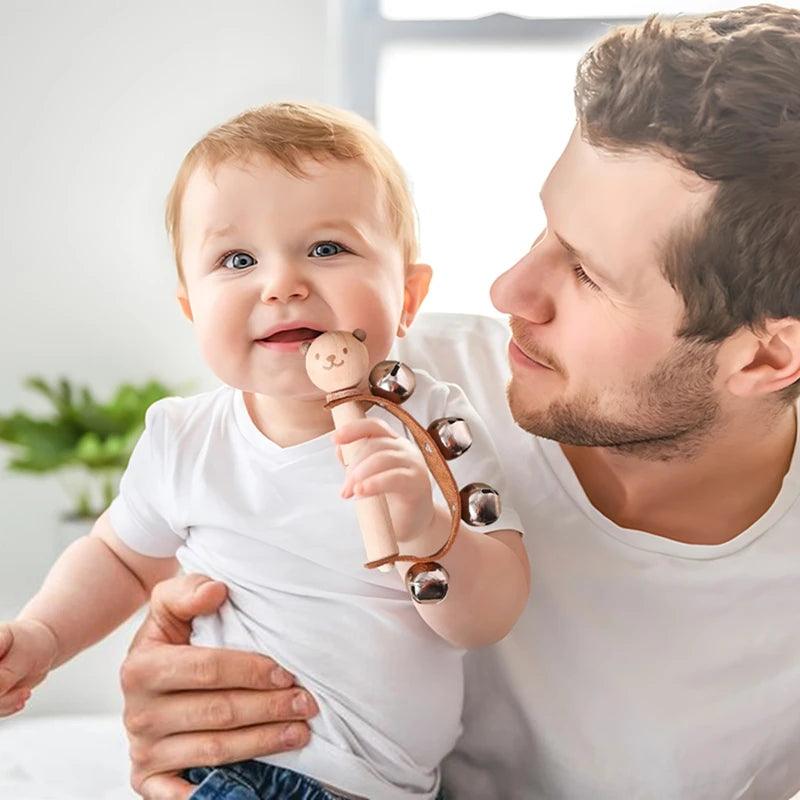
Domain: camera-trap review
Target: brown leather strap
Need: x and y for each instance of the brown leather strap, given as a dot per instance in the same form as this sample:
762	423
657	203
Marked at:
340	395
433	458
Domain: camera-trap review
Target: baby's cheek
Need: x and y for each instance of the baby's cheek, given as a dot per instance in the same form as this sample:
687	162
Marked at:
379	341
220	350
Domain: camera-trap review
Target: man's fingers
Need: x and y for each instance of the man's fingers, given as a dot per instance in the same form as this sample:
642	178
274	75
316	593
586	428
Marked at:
173	605
165	787
210	748
224	710
187	667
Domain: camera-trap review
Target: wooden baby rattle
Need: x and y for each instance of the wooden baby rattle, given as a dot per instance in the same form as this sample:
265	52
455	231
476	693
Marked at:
337	362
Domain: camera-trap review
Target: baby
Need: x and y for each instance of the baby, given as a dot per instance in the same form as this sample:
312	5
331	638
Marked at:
288	221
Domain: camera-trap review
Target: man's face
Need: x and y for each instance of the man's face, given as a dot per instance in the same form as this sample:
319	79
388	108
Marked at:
263	248
594	356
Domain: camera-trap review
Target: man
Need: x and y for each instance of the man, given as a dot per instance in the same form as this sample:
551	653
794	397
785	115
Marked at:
655	358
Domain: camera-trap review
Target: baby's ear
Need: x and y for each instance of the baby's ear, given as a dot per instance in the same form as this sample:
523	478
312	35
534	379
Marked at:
183	300
418	279
360	335
304	347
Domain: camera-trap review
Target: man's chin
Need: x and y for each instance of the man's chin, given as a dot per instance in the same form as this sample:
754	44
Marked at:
530	414
578	424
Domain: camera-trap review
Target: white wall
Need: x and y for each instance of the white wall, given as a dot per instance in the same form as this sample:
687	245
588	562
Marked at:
99	100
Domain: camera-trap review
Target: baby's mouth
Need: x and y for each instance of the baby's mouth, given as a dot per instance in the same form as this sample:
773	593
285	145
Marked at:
293	335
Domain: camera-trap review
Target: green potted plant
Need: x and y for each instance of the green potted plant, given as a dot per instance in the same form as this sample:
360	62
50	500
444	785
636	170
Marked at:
86	442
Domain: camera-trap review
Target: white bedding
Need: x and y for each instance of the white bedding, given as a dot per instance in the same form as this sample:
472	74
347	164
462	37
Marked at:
68	757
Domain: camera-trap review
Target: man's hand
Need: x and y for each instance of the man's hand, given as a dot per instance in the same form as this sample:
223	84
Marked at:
191	706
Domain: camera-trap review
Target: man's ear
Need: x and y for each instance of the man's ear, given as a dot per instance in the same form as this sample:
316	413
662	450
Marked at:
763	362
183	300
418	280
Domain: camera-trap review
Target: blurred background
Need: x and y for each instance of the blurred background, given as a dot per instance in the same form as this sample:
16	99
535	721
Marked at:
102	98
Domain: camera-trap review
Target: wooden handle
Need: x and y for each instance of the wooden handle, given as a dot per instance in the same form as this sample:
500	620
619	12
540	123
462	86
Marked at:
374	520
436	462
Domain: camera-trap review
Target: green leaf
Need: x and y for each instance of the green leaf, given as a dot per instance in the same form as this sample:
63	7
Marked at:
43	442
80	430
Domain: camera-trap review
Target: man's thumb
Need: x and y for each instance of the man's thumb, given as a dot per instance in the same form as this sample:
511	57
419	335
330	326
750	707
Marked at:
187	596
175	602
208	596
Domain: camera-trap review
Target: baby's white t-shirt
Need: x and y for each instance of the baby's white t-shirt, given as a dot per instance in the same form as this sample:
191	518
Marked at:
206	485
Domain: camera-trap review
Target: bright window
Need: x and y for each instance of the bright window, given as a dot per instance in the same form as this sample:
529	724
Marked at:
477	128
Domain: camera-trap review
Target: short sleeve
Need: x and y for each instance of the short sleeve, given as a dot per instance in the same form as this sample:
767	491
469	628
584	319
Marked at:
479	464
142	514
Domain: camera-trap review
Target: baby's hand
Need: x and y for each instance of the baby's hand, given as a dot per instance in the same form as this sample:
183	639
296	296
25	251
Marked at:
385	463
27	651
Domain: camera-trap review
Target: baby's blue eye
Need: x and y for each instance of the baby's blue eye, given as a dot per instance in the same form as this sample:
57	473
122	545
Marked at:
238	260
326	249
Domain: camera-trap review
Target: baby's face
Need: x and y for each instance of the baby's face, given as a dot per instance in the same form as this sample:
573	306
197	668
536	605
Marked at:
263	250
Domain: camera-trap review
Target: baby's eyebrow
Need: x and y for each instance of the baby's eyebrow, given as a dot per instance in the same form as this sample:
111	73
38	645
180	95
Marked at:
216	233
342	224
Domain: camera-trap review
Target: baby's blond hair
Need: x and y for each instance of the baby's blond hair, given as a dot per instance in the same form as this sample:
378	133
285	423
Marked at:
288	133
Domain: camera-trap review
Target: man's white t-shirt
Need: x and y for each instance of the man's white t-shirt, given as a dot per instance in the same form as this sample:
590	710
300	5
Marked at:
206	485
643	668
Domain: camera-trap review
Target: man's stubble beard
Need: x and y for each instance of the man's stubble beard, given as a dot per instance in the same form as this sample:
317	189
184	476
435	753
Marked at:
669	413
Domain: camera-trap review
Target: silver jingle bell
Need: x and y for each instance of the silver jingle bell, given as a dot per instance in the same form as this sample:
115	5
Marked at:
427	582
480	504
392	380
452	435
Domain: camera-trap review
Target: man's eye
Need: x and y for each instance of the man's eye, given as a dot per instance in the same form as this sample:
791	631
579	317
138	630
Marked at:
584	278
326	249
238	260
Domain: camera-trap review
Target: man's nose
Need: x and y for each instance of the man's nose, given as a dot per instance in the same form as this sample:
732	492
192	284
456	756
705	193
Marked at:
284	281
526	289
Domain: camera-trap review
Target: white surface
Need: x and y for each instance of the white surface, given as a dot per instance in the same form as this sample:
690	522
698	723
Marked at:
64	758
84	758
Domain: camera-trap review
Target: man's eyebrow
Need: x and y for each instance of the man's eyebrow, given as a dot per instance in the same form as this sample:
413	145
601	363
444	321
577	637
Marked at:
586	260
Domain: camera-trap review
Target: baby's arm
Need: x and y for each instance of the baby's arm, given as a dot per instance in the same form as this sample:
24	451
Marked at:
488	587
489	572
94	586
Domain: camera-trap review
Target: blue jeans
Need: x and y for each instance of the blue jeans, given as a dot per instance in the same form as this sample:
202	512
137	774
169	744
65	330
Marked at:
255	780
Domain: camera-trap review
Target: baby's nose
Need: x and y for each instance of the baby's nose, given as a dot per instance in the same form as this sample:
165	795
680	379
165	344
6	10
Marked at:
332	357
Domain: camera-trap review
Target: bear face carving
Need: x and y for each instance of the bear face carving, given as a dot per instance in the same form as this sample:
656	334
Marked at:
337	360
